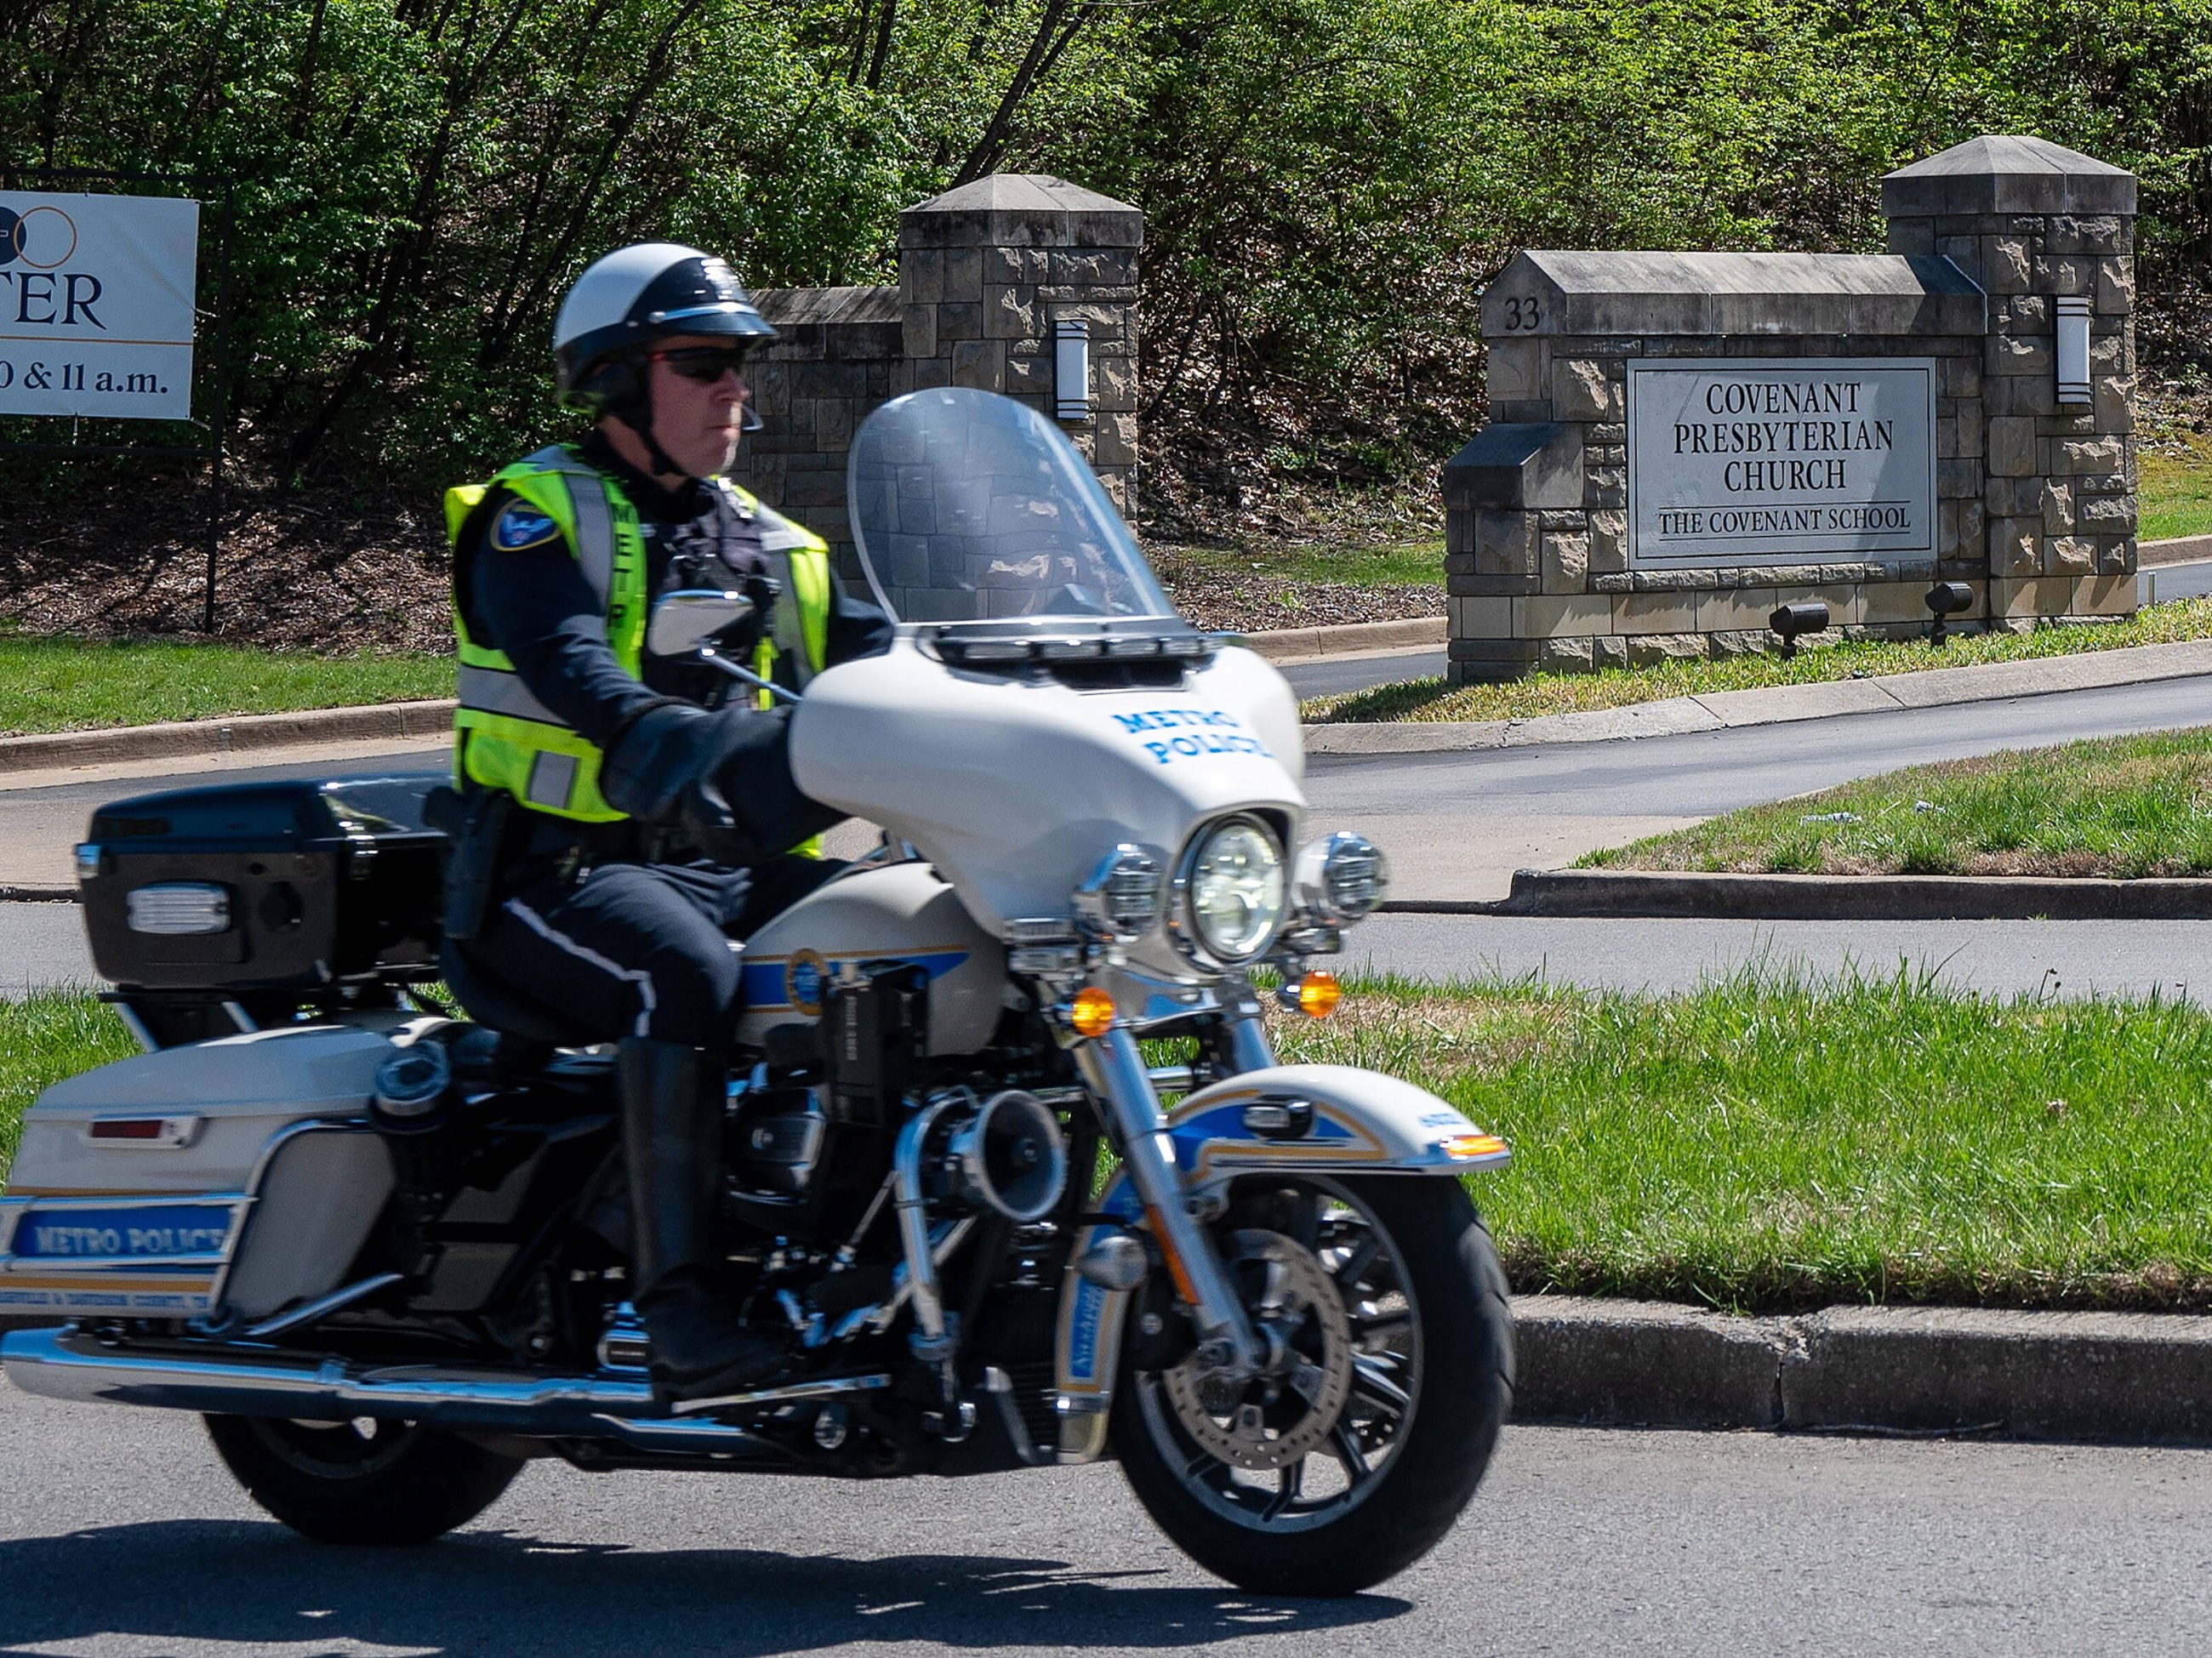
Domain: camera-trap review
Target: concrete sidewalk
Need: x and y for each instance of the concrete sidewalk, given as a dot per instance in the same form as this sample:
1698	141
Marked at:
1771	705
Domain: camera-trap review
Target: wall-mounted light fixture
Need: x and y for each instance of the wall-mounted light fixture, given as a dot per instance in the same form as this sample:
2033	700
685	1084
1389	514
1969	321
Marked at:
2074	349
1071	368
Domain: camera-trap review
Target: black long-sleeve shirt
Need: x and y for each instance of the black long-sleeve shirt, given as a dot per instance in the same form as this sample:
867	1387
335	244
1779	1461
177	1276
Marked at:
533	604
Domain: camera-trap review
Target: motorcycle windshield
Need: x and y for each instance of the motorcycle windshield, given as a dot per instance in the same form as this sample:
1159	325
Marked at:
969	506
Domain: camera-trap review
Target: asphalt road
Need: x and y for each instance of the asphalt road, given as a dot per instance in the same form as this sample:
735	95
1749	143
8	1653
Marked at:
2174	581
1334	677
1700	774
124	1538
1460	807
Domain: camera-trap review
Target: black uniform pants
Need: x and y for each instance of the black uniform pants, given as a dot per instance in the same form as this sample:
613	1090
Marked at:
638	950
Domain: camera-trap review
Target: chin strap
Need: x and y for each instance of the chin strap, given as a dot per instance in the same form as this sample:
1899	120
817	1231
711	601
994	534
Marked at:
642	423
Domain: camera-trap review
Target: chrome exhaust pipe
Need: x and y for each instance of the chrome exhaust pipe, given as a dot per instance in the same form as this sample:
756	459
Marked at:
72	1365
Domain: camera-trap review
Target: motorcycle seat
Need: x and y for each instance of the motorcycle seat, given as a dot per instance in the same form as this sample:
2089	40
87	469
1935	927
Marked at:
490	1000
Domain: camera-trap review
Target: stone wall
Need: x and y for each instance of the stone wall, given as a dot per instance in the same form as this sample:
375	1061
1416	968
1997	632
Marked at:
986	269
838	354
2032	504
984	273
2031	223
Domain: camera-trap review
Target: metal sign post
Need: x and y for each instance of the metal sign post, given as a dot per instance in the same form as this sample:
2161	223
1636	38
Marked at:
126	377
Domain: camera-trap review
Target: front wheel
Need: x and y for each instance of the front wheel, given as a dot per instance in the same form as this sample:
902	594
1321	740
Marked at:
1390	1373
365	1481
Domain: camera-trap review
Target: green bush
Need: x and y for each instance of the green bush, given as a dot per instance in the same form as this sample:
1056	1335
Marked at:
1329	183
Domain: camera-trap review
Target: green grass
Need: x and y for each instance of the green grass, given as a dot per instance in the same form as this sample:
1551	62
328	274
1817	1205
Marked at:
2121	806
2174	491
44	1038
50	684
1776	1141
1614	688
1770	1140
1387	564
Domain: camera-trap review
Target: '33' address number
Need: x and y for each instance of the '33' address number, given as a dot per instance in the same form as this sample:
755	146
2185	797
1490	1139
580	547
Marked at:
1522	314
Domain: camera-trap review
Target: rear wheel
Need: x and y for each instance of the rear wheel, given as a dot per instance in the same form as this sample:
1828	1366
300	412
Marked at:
1391	1371
366	1481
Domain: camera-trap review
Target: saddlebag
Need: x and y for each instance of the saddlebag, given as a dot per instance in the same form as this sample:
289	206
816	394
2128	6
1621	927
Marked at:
240	1173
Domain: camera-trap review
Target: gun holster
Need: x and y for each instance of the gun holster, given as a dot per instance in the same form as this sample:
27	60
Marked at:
476	835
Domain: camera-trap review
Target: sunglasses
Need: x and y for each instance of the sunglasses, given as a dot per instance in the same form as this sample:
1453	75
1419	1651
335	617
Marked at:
706	364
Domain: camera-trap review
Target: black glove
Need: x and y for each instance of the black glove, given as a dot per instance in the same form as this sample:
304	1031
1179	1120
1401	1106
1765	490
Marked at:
662	754
724	778
753	782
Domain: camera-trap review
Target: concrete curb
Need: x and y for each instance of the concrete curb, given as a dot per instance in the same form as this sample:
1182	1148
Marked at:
2138	1377
1599	892
2176	549
2131	1377
1351	639
1779	704
191	739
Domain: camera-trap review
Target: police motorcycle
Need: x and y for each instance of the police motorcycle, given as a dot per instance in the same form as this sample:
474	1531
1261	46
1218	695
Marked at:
378	1239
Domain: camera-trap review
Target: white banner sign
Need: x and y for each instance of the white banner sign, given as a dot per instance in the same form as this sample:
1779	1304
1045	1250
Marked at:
1781	461
96	305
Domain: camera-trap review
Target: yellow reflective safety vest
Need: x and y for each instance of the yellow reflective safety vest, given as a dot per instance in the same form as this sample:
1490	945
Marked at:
504	737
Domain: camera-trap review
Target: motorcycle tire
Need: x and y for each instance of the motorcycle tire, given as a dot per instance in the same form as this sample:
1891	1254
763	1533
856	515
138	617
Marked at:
1464	1393
388	1485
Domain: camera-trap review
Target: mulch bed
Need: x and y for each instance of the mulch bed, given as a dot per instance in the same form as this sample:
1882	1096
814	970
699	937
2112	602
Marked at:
331	570
335	571
1260	603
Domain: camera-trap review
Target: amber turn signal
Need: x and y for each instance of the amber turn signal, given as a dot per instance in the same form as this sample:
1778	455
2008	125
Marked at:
1473	1145
1091	1012
1318	995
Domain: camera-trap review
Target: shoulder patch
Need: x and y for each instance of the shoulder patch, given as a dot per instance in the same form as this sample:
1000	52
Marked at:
520	526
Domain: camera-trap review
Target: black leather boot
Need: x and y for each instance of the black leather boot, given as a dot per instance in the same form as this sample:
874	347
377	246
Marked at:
671	1109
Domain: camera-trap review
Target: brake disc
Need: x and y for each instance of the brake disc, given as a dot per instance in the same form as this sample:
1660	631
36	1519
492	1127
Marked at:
1284	1414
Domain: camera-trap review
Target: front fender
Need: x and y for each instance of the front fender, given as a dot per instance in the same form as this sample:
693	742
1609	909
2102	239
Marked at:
1357	1120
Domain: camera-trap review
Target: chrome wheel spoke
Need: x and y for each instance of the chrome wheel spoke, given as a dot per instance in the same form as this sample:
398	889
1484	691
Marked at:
1370	1380
1357	1264
1340	1373
1201	1468
1376	1328
1346	1446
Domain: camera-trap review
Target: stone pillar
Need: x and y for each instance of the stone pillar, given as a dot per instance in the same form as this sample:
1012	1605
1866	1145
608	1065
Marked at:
2033	223
986	269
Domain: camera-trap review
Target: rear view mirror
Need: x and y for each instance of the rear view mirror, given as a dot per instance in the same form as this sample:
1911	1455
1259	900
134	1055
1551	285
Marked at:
684	620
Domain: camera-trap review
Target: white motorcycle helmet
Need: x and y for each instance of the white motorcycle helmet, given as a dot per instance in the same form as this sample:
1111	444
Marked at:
629	300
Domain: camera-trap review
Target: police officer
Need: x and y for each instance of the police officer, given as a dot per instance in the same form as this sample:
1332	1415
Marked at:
646	829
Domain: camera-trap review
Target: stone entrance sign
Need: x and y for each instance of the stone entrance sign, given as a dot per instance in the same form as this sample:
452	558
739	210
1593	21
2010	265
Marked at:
1750	461
1682	441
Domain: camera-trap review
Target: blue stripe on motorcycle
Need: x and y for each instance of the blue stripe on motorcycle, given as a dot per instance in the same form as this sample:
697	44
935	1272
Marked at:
766	984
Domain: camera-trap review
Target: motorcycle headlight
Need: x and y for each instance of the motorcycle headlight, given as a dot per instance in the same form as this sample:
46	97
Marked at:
1125	896
1234	890
1343	878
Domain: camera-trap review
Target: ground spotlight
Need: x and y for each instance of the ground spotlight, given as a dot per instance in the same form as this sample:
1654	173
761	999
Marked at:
1791	620
1946	599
